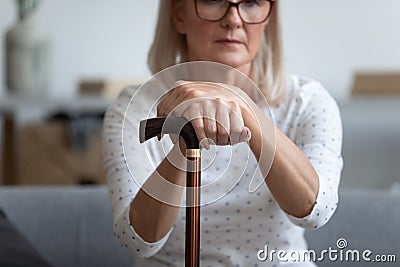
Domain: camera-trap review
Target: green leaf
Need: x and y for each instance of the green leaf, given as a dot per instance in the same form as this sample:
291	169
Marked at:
26	7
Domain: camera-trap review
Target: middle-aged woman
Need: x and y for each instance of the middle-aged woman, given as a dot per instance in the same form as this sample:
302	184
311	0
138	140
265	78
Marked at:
300	183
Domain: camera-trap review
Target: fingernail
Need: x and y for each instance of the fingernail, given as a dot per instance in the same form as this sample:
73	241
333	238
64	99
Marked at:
248	134
207	145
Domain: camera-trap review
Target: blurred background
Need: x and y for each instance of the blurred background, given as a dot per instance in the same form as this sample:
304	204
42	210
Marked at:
92	49
63	62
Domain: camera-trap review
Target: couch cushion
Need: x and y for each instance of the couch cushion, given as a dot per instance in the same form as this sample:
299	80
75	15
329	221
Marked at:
367	220
70	226
15	249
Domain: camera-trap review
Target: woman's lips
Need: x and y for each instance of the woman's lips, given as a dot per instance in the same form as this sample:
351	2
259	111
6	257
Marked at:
229	42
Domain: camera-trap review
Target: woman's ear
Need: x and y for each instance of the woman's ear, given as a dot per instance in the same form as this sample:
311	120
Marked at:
177	15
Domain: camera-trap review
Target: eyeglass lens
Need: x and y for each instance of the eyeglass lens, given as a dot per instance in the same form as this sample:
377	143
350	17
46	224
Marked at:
251	11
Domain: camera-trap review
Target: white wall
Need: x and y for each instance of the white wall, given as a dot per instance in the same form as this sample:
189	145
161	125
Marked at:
91	38
327	40
330	40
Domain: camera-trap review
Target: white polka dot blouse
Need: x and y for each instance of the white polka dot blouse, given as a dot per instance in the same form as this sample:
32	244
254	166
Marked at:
236	223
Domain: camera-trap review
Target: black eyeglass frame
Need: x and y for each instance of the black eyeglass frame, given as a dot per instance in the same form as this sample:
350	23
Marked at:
272	2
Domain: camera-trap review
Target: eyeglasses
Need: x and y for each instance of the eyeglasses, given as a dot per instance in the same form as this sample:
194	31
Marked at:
250	11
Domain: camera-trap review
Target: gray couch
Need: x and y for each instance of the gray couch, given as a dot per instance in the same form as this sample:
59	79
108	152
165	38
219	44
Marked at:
371	142
72	226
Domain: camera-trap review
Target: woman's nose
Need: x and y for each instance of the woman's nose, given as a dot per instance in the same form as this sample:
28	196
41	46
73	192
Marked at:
232	18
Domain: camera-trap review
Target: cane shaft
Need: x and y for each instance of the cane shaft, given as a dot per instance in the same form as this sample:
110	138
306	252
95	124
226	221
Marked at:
192	240
178	125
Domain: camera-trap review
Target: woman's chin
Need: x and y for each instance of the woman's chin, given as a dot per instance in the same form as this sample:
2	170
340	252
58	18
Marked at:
229	59
236	63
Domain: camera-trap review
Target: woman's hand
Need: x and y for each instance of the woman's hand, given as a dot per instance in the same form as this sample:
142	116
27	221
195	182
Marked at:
215	111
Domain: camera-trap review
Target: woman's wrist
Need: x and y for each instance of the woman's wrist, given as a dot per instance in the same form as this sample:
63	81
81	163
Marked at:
176	157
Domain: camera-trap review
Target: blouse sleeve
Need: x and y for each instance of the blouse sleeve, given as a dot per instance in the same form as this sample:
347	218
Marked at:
127	168
319	136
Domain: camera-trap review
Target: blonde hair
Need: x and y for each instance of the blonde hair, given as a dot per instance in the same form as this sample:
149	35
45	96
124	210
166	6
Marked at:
169	48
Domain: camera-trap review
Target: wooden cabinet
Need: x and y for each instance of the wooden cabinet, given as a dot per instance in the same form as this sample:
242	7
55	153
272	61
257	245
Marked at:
36	150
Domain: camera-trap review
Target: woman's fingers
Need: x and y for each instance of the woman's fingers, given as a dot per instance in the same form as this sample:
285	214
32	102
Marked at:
222	122
194	115
214	112
236	120
210	129
215	122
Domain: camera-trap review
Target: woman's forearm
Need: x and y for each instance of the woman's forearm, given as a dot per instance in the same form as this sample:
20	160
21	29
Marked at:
291	178
150	217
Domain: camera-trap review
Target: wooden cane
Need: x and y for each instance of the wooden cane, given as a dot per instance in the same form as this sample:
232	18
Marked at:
182	127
